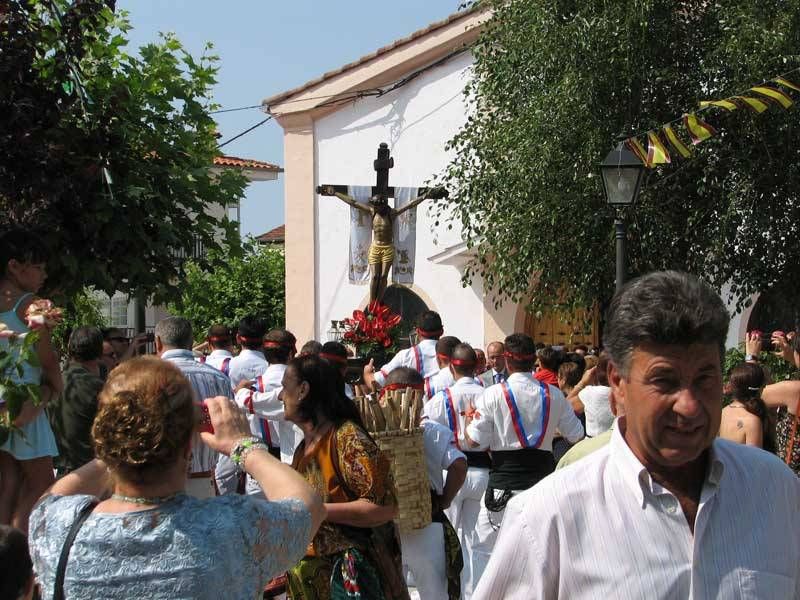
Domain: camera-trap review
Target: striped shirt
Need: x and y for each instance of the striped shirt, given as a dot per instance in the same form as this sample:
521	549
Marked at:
602	528
207	382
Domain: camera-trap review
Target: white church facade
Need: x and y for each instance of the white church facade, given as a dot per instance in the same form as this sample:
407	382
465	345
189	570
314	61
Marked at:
332	129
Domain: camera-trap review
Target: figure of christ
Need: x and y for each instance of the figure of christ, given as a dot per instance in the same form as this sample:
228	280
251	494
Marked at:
381	250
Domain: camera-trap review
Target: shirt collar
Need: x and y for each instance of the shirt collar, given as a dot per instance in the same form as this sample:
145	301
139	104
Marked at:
636	476
427	342
177	353
223	353
248	352
520	376
466	381
276	367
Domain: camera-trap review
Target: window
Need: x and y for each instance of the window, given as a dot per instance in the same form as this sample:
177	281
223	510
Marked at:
118	316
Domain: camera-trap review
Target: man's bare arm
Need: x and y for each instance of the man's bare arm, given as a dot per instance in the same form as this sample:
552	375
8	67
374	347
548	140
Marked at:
434	193
329	190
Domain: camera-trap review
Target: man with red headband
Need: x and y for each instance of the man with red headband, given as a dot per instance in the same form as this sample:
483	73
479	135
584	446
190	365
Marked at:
336	354
449	407
220	341
260	398
250	362
516	420
420	357
443	378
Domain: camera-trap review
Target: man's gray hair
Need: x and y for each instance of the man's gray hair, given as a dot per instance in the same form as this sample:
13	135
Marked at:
663	308
175	332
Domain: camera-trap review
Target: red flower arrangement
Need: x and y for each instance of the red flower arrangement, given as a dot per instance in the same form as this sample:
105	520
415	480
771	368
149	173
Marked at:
374	327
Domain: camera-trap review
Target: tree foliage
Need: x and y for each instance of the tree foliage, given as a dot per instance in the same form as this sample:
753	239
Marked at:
556	81
253	284
107	155
81	310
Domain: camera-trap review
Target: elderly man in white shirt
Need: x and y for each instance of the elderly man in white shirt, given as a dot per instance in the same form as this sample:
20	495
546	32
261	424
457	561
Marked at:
448	408
666	510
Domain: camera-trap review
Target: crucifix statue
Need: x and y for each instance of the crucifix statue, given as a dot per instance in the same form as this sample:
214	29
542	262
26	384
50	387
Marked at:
381	250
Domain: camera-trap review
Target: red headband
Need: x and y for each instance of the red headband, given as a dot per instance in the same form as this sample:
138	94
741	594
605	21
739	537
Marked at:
519	357
402	386
333	358
247	338
274	344
219	338
442	356
426	333
457	362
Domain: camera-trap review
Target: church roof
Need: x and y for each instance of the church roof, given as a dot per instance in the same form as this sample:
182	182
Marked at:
281	97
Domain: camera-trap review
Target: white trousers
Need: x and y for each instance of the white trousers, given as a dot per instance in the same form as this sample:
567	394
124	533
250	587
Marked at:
486	530
423	555
463	514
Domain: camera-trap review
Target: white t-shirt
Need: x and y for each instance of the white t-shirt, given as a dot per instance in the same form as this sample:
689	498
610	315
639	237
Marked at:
597	409
440	452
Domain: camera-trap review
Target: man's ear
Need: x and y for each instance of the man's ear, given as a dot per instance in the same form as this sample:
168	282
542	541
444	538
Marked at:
159	345
616	382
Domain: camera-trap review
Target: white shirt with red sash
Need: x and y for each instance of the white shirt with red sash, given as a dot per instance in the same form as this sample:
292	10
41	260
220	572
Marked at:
421	358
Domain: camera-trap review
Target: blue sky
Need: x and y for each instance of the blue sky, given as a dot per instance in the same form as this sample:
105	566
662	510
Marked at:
269	47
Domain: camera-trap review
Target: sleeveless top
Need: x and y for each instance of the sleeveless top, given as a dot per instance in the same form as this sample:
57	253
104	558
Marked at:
783	434
30	374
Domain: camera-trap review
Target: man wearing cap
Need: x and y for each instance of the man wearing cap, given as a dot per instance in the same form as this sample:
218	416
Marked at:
667	509
449	407
250	362
220	341
516	420
495	358
420	357
443	378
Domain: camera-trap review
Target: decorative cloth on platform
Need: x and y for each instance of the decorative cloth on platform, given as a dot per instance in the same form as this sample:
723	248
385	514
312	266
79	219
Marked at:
405	237
360	236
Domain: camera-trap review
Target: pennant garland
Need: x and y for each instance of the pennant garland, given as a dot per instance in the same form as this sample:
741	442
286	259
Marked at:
676	142
698	129
657	152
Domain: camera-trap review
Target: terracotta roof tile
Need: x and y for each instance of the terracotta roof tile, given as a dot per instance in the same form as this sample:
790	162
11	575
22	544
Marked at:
278	98
273	236
246	163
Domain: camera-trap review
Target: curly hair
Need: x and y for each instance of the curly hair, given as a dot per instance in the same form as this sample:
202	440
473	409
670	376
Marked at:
145	419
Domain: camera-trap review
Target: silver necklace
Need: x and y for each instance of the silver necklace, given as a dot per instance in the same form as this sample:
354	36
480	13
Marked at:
146	500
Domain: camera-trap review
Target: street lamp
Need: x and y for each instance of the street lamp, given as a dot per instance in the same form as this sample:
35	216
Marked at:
622	173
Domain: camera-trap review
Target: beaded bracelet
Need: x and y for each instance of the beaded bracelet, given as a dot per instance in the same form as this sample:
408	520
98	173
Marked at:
242	448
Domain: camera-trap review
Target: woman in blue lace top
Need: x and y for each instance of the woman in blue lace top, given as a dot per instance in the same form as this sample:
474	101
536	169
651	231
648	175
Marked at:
146	538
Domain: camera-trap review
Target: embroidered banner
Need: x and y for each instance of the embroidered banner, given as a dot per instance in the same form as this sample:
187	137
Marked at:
405	237
360	236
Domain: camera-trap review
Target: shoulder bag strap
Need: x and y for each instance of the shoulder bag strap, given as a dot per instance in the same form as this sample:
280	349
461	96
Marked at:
61	570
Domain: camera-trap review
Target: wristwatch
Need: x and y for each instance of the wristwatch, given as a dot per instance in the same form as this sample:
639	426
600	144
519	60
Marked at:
750	358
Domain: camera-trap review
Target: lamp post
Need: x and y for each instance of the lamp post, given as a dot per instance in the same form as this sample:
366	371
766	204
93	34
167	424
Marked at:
622	173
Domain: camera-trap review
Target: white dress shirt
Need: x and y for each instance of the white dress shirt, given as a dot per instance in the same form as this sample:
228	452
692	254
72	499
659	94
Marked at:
248	365
423	360
442	379
448	407
217	359
602	528
495	427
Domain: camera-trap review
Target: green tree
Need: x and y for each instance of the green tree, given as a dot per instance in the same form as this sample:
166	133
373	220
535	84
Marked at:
556	81
82	309
242	285
106	154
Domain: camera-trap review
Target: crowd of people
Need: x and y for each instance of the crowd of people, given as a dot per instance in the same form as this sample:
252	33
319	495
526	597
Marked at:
241	467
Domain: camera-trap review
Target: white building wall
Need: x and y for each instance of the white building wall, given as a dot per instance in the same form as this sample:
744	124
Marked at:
416	121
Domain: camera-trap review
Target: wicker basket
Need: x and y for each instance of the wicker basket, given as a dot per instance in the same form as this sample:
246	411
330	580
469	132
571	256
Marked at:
406	453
